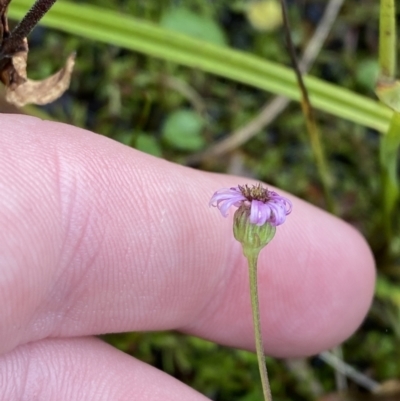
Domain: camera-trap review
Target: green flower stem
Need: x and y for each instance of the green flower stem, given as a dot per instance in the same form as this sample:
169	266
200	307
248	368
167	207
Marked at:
252	257
318	151
387	88
387	40
388	91
388	151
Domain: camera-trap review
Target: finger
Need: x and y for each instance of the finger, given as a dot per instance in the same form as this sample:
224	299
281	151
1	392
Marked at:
97	237
84	369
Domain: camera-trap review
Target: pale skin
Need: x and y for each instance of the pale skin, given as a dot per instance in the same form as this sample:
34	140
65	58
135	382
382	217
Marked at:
96	237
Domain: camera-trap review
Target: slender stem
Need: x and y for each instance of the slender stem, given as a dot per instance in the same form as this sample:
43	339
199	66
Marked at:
15	41
313	132
388	91
274	108
387	40
33	16
388	151
252	257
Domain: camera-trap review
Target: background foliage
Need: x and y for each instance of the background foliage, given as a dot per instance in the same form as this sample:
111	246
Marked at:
174	111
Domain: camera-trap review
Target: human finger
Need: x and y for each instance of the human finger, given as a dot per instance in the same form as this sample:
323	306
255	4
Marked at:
84	369
97	237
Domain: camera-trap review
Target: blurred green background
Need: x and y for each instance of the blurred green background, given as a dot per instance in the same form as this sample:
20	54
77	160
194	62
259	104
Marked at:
178	113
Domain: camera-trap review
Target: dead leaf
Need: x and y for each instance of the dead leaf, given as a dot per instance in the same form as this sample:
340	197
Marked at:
37	92
20	90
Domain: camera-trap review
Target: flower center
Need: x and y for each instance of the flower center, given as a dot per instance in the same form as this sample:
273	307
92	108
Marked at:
256	192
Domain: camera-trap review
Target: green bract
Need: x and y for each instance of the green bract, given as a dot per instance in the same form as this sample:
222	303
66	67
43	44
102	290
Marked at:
252	237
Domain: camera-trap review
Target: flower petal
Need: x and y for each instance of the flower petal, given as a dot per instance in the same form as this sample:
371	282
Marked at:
259	213
265	206
224	198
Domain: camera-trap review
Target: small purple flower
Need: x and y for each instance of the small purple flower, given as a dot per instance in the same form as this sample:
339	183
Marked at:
265	206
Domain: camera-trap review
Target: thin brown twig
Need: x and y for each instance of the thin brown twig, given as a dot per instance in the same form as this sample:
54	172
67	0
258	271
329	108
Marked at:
14	42
32	17
276	106
295	63
310	120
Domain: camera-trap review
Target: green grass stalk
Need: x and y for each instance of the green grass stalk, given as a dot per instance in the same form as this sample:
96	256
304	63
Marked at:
388	91
388	151
387	40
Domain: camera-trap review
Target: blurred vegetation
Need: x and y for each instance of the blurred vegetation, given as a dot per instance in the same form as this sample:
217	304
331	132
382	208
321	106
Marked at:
172	111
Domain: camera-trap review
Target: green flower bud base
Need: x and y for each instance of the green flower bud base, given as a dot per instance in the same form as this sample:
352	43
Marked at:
251	236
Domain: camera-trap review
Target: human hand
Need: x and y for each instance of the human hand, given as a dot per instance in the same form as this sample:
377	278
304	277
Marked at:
96	237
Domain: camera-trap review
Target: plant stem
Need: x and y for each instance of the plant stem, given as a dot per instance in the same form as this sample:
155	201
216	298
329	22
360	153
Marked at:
252	257
388	91
15	41
388	151
387	41
33	16
312	128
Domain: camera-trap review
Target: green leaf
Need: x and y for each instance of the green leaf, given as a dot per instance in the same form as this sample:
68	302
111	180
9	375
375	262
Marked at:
367	73
121	30
148	144
194	25
124	137
182	130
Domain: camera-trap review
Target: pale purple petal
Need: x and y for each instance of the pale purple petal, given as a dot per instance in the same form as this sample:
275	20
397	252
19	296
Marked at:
224	198
270	207
225	206
284	202
273	211
278	214
259	213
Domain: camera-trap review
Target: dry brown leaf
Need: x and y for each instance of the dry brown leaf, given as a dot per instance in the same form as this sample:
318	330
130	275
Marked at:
26	90
20	90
